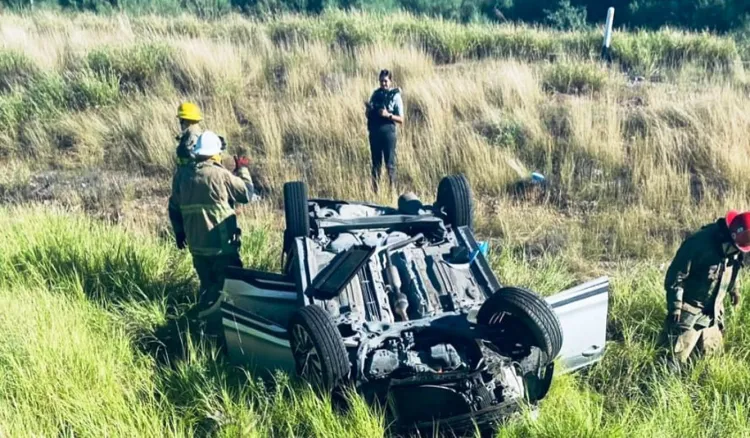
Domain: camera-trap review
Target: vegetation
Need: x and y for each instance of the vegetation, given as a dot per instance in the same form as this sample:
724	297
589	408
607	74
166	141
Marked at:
721	16
636	155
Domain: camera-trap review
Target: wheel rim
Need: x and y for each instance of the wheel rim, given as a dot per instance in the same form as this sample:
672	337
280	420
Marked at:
308	362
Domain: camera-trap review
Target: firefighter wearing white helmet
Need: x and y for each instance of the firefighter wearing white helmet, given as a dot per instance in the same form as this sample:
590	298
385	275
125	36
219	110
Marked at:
201	207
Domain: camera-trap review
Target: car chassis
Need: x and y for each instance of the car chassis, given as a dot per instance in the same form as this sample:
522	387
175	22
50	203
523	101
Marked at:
402	304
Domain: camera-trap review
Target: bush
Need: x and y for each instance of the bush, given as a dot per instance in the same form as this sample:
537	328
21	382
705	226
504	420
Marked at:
137	67
573	78
10	110
15	69
87	89
642	50
567	17
45	97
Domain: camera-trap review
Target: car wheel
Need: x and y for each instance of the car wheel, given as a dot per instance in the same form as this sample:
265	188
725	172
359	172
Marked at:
317	347
295	212
454	196
524	318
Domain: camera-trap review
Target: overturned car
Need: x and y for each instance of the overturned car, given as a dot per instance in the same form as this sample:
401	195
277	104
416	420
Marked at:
402	304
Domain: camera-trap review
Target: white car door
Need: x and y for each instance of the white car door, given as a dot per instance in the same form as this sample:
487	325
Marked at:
582	311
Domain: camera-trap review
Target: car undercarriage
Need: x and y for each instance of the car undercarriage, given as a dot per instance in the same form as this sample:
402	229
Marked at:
402	304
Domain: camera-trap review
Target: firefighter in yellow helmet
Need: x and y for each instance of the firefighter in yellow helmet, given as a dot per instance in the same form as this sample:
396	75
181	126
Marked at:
190	117
201	209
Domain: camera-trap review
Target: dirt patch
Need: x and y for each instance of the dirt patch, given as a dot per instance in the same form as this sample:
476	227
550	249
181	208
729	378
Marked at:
102	194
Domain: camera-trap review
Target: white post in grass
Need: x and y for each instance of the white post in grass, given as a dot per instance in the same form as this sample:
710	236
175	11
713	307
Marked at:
608	34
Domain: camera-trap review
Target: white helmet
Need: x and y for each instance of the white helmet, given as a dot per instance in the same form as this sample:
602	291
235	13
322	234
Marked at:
208	144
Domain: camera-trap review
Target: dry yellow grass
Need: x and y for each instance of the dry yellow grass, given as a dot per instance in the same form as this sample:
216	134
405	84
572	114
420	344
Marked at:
87	121
630	166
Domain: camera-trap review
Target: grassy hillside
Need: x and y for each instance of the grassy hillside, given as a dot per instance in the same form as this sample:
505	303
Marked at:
91	280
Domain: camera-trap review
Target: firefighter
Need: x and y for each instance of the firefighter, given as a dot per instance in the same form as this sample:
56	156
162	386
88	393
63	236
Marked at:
190	117
703	272
201	206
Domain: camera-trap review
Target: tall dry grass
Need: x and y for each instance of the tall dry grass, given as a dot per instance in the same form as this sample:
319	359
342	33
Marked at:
87	121
100	93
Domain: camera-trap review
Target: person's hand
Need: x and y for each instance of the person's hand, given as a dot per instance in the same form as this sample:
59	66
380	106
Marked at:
674	318
181	240
241	162
384	112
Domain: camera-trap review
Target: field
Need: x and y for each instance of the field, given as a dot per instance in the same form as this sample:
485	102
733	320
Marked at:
637	155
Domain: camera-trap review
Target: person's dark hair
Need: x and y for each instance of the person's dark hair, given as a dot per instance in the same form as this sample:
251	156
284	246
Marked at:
385	73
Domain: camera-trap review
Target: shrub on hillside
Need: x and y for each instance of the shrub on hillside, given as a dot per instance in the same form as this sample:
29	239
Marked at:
573	78
45	97
137	67
10	109
566	16
642	50
15	69
88	89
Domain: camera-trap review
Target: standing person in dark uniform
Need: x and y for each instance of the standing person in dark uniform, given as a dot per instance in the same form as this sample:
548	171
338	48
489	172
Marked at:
384	110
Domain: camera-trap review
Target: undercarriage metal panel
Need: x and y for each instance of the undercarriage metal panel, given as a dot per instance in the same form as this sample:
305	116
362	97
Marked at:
339	272
480	266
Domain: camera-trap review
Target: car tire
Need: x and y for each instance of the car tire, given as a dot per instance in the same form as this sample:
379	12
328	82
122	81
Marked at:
318	349
295	212
455	198
524	318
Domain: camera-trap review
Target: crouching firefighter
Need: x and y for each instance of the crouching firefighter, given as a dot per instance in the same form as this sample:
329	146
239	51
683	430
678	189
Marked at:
703	272
201	210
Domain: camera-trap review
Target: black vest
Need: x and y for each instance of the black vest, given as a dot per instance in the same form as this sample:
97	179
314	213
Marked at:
381	99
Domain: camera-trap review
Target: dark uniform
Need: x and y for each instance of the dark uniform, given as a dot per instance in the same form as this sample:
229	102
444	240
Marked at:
382	132
186	142
703	271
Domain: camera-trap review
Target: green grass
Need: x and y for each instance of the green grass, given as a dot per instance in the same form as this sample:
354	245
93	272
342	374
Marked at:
87	121
574	78
84	304
15	69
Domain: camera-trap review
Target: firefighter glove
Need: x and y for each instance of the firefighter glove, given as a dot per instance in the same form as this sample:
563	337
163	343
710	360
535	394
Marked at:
181	239
241	162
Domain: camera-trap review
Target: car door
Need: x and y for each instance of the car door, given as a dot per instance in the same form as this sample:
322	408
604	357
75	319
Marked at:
582	311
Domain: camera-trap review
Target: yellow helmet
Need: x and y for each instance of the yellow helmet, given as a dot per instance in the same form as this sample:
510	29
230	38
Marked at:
189	111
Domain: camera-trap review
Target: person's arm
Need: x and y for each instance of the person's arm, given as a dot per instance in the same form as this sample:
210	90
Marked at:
368	105
678	271
398	110
175	216
240	184
734	286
